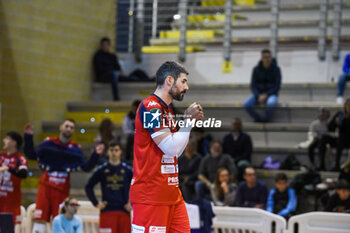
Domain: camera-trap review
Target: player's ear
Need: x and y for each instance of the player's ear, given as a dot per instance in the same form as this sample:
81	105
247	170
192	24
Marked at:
169	80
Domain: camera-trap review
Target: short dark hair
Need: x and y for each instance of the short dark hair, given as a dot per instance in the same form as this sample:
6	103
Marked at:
343	184
265	51
114	144
70	120
16	137
169	68
105	39
281	176
136	103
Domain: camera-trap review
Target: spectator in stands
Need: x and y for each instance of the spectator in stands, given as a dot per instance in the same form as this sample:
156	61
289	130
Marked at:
317	129
106	134
107	67
340	201
57	157
282	200
188	171
344	77
129	129
223	191
67	221
202	141
13	168
115	178
251	193
265	84
340	121
237	143
209	167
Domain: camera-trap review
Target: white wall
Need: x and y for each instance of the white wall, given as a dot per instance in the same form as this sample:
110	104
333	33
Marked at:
205	67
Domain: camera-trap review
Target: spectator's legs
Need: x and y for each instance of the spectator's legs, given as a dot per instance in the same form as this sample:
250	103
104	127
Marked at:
325	140
342	83
271	103
115	79
201	189
249	106
187	191
311	150
340	147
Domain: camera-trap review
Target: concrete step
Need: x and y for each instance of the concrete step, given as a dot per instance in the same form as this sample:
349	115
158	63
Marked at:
222	93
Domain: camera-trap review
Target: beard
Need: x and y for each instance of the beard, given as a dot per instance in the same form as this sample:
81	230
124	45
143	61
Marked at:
66	135
176	94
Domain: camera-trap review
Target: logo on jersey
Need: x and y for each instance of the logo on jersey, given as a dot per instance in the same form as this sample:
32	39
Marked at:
152	119
152	104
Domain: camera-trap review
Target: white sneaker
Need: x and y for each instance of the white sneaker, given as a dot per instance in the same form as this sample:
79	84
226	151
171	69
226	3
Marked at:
340	100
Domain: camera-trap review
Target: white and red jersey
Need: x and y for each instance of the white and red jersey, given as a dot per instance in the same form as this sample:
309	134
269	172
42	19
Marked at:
10	185
155	179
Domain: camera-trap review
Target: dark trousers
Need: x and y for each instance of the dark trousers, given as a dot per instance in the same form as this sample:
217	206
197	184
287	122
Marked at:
324	141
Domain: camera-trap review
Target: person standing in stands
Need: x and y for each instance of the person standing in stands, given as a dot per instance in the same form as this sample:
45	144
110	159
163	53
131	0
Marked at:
265	85
67	221
107	67
57	157
281	200
251	193
114	177
13	168
344	77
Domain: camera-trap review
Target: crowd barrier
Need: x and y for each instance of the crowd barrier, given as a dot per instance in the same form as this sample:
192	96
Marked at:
227	220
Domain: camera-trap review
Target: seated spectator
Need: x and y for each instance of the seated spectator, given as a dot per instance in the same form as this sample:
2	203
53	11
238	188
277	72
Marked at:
202	141
317	129
188	171
129	129
106	134
13	169
340	201
340	121
209	167
344	77
281	200
107	67
251	193
265	84
66	221
237	143
114	178
223	191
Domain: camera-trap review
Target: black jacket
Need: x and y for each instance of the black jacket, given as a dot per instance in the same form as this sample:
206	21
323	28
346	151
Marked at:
241	149
266	81
104	63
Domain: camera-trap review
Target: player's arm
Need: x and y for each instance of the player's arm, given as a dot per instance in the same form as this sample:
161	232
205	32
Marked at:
28	148
92	162
22	170
173	144
89	187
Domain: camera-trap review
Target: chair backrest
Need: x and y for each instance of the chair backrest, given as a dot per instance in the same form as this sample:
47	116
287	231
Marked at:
90	216
193	215
28	224
247	220
319	222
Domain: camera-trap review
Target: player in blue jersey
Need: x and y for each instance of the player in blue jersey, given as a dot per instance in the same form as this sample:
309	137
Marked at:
115	177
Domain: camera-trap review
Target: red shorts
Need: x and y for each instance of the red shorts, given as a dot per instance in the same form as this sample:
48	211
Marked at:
48	200
114	222
7	207
160	219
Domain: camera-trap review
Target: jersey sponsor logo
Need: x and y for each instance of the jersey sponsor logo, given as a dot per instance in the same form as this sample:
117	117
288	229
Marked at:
132	181
38	213
152	104
173	180
155	229
152	119
168	169
105	230
168	159
137	229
